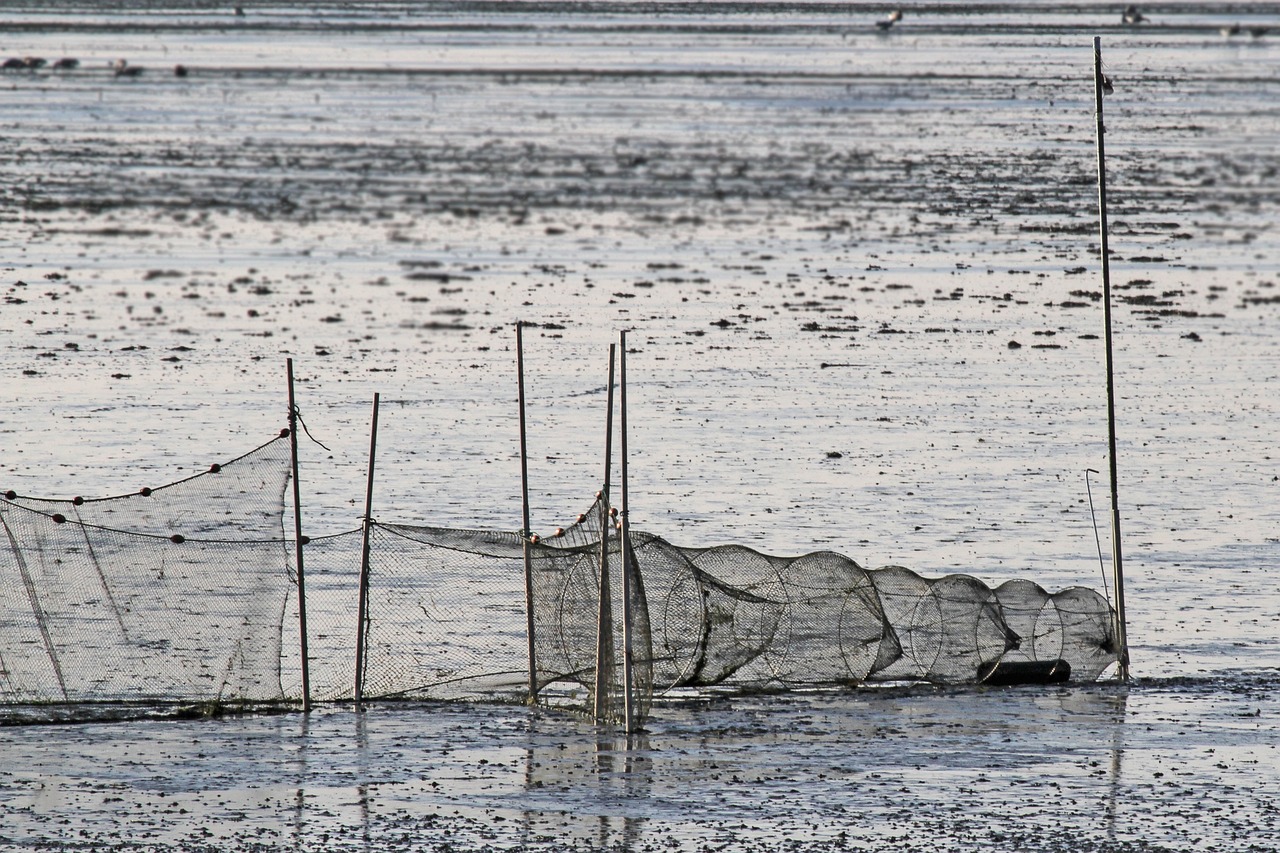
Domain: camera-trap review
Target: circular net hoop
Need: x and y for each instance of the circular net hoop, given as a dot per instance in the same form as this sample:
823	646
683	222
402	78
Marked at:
1089	631
575	640
976	636
916	621
681	617
1031	614
832	626
743	600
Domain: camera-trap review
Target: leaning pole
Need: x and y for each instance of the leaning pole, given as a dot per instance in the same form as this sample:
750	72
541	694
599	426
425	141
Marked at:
1099	84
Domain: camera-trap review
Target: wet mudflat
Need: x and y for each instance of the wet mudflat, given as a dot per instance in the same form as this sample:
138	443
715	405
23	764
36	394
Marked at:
1171	766
859	277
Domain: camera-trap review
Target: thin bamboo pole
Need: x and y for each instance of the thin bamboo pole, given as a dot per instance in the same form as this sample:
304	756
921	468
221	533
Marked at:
625	549
604	619
362	605
298	540
1099	83
525	532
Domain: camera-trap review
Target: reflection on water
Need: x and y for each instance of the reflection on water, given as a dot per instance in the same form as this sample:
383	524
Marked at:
750	769
600	787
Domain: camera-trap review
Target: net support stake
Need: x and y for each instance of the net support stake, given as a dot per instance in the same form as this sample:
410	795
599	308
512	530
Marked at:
362	605
625	549
604	619
297	547
1116	562
525	532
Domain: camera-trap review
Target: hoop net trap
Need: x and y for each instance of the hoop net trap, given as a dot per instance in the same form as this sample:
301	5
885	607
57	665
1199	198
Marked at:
188	593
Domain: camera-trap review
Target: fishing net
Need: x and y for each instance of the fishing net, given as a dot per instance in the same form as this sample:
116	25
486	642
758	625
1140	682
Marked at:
176	593
332	571
446	617
731	616
445	620
186	592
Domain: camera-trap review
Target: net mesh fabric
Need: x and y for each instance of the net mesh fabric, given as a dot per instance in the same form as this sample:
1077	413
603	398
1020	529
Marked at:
172	594
731	616
332	567
237	500
447	620
446	615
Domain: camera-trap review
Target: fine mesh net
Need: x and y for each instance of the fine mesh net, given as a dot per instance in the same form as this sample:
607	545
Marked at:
446	617
332	572
732	616
240	499
187	593
172	594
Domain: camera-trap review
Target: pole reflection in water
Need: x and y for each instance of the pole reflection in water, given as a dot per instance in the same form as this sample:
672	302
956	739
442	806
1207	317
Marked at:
362	770
754	768
299	814
1118	710
585	788
622	762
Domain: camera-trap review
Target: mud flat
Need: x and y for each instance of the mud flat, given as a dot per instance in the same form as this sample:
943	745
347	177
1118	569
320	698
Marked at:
1155	766
858	270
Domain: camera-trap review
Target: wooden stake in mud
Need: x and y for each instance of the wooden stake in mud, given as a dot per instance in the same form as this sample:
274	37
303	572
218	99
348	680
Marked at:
362	605
604	619
525	532
297	543
629	714
1101	83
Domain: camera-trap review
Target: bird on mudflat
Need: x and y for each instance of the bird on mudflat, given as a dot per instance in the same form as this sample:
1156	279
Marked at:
66	63
26	63
885	23
122	68
1228	32
1131	15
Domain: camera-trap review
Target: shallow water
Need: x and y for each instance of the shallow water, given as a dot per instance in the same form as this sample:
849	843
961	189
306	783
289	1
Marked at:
820	239
1156	766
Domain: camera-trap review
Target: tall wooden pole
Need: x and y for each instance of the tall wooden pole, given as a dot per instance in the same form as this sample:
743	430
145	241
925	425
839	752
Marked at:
624	549
297	543
604	619
525	532
1099	83
362	605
